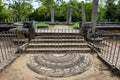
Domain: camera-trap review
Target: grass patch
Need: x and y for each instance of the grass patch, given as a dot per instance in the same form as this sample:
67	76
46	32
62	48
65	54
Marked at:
76	25
43	24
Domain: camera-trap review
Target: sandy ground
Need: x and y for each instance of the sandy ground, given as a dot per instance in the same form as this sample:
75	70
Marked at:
61	27
19	71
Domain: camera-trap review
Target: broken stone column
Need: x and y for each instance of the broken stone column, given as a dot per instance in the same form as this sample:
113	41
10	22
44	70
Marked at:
69	16
83	15
52	14
94	15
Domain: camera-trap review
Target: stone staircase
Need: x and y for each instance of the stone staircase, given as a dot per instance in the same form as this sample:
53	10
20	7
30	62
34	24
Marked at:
58	43
58	53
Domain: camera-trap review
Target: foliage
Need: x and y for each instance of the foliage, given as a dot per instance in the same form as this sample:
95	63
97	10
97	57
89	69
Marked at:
76	25
40	14
20	9
60	12
88	10
47	3
117	12
43	12
75	5
4	14
43	24
109	10
101	13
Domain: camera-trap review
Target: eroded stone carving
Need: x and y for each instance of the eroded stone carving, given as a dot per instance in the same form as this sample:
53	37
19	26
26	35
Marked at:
59	65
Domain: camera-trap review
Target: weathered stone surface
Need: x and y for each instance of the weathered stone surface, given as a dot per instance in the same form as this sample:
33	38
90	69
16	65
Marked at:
52	15
94	15
83	14
69	16
59	65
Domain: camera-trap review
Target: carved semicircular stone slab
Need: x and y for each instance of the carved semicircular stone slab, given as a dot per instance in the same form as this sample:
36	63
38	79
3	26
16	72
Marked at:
59	65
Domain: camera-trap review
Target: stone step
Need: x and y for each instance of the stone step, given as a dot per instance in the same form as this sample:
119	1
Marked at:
100	45
20	40
97	40
58	45
7	35
58	52
56	40
56	31
49	42
57	34
39	50
35	44
58	37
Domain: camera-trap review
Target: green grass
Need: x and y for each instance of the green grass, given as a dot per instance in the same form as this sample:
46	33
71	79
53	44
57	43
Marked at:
43	24
76	25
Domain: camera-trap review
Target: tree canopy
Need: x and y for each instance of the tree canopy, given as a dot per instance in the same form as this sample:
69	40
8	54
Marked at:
109	10
4	13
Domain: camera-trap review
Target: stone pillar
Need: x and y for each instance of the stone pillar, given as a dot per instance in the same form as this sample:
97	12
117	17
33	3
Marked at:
94	15
52	14
69	16
83	15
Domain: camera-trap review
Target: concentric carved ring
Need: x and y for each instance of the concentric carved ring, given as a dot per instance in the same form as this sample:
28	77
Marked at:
59	65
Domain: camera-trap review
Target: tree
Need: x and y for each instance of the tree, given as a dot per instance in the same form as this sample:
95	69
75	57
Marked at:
88	10
60	11
40	14
110	12
4	14
20	9
47	3
117	12
74	4
101	13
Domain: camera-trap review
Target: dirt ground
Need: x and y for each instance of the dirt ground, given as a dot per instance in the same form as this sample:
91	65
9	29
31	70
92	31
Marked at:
19	71
61	27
